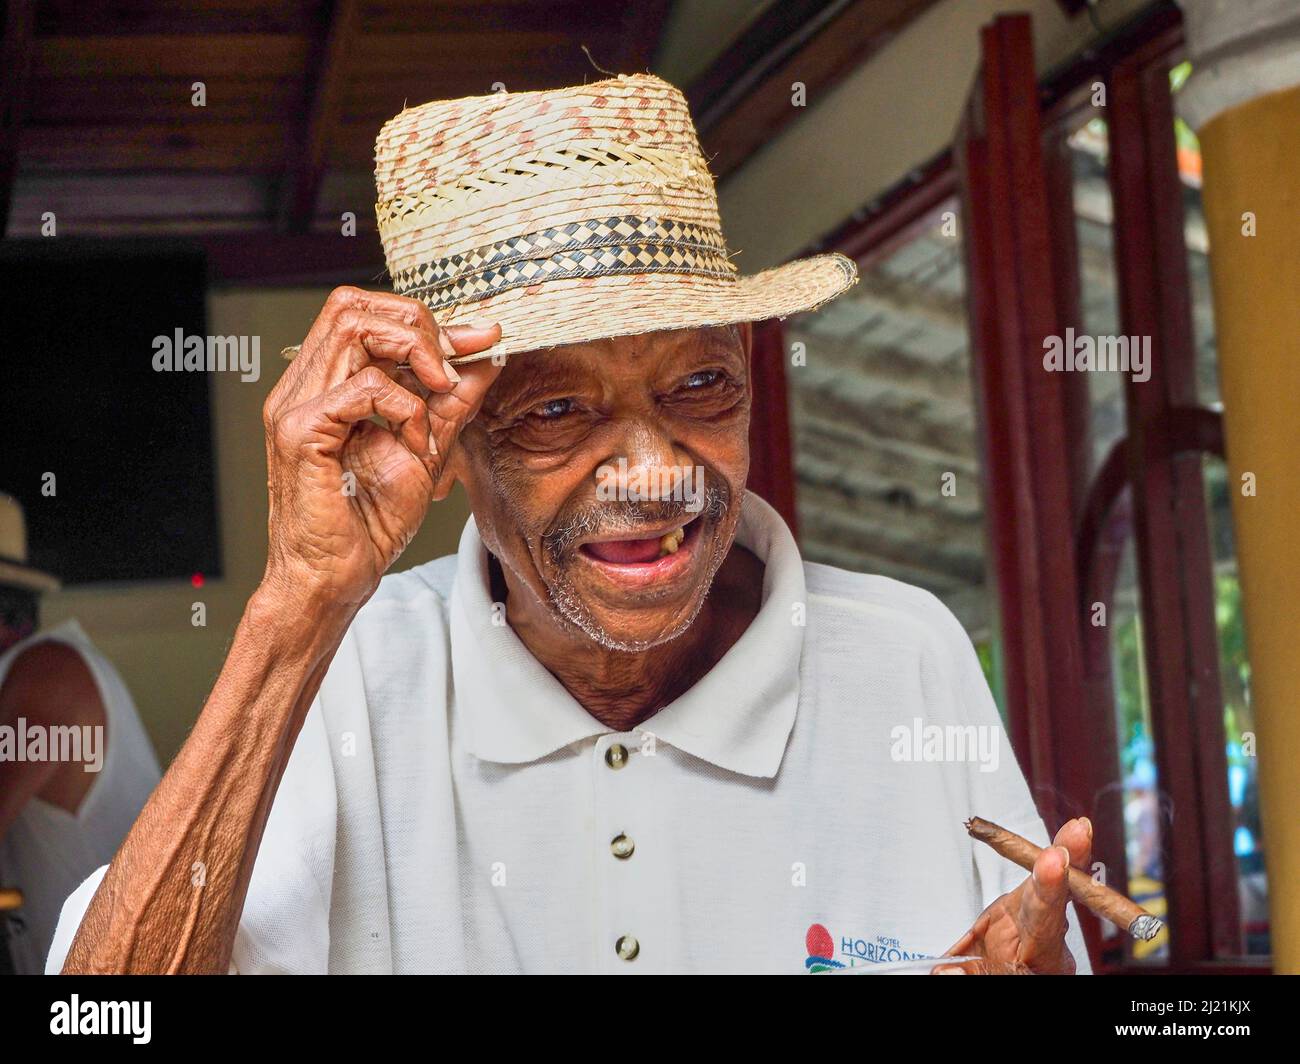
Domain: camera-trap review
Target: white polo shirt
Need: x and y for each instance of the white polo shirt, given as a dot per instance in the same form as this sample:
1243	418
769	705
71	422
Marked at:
449	807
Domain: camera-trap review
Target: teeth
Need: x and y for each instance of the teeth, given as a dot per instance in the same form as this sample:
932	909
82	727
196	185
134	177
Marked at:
671	541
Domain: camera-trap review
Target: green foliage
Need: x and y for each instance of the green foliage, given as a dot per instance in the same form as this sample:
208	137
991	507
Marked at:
1130	687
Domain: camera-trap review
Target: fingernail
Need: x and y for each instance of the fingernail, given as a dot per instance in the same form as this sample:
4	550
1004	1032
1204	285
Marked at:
1087	825
433	445
452	375
951	969
448	349
484	325
1065	856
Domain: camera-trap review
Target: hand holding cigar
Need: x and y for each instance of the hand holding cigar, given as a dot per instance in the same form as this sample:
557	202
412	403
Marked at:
1023	932
1109	904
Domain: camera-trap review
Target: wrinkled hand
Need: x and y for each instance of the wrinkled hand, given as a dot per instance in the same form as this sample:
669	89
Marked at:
347	494
1023	933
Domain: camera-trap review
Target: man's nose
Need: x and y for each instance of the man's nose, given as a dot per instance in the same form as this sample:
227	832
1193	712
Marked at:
647	466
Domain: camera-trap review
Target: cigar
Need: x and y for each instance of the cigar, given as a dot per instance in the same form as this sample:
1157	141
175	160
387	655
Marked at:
1111	905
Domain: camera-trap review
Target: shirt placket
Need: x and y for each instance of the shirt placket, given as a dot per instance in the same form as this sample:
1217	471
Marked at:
629	858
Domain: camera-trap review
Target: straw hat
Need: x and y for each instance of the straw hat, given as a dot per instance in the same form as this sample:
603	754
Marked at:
570	215
14	570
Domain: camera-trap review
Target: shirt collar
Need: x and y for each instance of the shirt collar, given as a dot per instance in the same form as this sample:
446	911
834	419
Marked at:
738	716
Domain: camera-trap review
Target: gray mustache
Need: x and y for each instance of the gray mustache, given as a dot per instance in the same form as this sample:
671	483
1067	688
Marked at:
619	518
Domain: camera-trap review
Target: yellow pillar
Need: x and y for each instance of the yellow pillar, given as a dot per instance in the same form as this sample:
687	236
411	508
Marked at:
1251	160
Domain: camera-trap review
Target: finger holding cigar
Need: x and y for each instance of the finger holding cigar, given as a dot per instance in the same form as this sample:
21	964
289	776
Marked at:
1024	931
1109	904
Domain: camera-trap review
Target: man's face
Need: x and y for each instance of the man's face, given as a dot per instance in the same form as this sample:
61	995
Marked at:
607	477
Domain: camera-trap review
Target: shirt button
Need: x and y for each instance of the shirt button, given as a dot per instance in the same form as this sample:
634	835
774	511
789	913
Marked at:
627	948
616	756
622	847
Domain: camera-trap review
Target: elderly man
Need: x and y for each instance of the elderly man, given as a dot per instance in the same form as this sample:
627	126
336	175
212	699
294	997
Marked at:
76	766
625	729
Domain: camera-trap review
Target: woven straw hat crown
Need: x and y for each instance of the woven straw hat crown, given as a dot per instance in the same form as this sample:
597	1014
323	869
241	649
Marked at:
570	215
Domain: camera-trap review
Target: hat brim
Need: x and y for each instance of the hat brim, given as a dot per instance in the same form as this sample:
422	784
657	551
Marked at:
577	310
15	574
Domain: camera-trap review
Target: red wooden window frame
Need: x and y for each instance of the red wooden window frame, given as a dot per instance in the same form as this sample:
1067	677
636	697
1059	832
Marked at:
1030	483
1158	462
1167	435
1175	561
771	449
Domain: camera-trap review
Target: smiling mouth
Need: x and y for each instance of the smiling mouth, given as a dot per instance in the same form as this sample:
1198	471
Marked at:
643	551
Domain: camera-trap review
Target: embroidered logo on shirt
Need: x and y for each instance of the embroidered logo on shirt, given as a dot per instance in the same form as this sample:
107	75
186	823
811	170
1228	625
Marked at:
820	947
879	949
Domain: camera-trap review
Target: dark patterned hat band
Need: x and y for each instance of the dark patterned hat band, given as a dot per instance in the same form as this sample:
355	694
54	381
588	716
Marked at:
596	247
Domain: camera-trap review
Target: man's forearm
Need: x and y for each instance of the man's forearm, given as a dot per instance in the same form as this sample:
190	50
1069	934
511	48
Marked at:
171	899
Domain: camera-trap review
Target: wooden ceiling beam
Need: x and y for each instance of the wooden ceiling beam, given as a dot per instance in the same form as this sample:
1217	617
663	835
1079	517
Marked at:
216	147
283	259
856	558
501	17
249	258
885	416
15	70
947	380
744	97
825	456
778	33
306	167
912	299
180	56
140	204
853	491
894	543
642	33
480	59
71	101
76	18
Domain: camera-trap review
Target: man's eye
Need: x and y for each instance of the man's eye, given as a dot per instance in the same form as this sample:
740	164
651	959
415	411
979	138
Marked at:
554	408
702	379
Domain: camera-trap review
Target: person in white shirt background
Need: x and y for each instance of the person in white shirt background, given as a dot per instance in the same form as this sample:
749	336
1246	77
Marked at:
75	764
626	728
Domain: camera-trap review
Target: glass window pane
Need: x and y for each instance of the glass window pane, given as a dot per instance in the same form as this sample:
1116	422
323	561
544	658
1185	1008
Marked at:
1146	809
1238	717
886	468
1234	667
1098	285
1198	253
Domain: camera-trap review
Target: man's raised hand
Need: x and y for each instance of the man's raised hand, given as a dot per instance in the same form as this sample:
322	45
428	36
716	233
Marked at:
347	494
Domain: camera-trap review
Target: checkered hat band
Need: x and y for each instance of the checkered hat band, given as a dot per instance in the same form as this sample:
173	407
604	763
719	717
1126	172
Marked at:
591	248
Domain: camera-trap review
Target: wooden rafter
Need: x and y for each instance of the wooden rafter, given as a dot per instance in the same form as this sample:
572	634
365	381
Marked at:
643	29
306	167
744	97
15	65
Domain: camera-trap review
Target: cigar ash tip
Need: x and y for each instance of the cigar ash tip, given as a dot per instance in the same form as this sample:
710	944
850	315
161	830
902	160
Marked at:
1145	927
